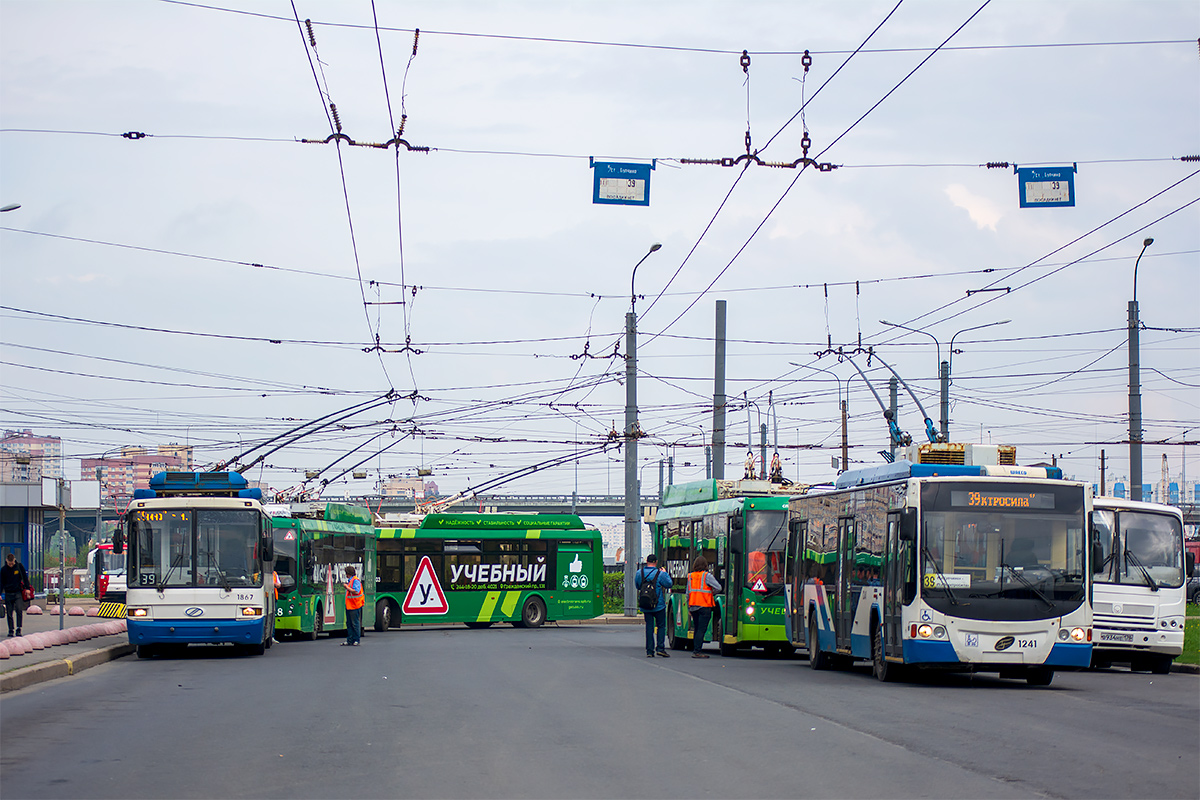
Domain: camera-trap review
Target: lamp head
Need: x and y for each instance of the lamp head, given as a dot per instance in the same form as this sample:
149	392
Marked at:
1148	242
657	246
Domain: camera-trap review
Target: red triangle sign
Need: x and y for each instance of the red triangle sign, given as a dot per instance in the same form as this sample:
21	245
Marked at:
759	586
425	593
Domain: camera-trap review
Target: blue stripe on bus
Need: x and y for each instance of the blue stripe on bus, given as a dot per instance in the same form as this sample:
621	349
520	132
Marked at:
1070	654
212	631
917	651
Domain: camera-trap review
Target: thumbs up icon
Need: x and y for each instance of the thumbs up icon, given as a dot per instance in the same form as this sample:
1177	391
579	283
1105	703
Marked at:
576	565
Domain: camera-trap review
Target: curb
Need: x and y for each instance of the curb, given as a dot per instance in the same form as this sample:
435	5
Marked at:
1191	669
49	670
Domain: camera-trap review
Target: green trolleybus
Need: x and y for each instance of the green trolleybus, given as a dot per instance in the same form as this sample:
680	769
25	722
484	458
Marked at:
740	527
480	569
314	543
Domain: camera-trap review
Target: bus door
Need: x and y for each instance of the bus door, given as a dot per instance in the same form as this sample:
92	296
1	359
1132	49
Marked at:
893	580
844	614
735	574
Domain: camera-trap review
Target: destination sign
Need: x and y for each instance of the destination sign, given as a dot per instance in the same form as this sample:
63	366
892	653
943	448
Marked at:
1003	501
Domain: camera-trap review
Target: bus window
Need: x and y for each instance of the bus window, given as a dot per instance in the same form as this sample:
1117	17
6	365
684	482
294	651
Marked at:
766	540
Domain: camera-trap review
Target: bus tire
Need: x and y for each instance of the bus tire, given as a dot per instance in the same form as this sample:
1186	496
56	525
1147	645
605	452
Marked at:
146	650
318	624
533	613
255	649
1039	676
816	658
1159	664
884	671
383	615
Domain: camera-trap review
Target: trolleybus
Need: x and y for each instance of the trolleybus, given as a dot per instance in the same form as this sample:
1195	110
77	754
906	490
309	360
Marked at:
1138	600
740	527
106	570
199	564
479	569
314	543
970	566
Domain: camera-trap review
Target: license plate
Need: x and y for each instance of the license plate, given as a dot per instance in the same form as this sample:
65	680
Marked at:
1116	637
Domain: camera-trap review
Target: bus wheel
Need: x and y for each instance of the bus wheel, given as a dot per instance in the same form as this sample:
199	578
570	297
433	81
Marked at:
318	624
816	658
146	650
1159	664
533	614
883	670
1039	676
256	649
383	615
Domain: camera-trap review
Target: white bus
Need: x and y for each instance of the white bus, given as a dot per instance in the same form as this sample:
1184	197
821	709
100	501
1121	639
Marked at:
200	564
1138	597
106	571
943	566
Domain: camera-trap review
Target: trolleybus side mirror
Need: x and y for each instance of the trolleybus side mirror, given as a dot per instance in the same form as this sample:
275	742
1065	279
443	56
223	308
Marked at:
736	544
268	543
1191	564
908	525
1097	556
119	540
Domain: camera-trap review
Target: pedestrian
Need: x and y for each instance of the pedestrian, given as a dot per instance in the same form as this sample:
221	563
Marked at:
660	581
701	585
13	580
354	606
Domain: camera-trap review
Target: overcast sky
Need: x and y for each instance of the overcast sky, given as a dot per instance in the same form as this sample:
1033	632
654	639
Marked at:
219	281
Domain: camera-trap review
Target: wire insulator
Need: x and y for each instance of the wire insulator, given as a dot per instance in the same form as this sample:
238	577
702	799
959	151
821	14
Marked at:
806	61
998	165
400	131
337	122
1189	158
745	62
133	135
747	140
416	36
805	143
312	37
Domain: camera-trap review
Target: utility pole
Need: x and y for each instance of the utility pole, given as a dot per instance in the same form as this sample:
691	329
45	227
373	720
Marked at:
718	440
1102	483
894	403
944	376
846	436
1135	390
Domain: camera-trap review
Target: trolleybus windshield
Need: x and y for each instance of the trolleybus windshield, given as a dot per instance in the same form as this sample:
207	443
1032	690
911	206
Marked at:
1149	549
1002	551
766	542
195	547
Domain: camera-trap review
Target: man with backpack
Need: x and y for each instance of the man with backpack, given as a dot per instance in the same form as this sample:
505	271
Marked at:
652	584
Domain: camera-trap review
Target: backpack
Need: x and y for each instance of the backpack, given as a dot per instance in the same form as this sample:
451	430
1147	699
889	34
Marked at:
648	591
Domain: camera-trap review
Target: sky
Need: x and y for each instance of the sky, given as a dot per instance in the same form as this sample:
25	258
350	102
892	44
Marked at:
195	261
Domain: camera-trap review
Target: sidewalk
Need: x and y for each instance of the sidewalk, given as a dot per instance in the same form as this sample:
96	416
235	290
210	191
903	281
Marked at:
57	661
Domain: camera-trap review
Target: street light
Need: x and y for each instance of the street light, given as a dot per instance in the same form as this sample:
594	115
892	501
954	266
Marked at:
10	207
945	368
633	539
1135	389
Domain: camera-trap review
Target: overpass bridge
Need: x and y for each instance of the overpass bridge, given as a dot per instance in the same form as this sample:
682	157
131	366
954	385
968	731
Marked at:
585	505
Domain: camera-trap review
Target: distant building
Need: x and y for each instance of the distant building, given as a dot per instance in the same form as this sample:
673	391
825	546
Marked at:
120	474
27	458
408	489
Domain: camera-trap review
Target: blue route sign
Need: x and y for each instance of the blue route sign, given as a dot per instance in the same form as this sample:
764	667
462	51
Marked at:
1041	187
621	184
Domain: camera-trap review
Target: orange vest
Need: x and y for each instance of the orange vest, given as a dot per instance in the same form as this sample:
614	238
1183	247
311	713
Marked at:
699	594
354	599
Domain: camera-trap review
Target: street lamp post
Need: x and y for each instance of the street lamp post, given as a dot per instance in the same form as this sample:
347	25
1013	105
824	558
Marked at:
633	539
1135	389
945	368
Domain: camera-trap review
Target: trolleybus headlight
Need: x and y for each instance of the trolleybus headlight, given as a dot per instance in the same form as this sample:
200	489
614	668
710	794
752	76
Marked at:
1064	634
939	632
251	611
925	631
750	610
1078	634
137	612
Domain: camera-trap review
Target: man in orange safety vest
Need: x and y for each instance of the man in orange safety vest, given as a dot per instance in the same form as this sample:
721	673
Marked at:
354	606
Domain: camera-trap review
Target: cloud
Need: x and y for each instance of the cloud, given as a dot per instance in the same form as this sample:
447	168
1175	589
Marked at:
983	212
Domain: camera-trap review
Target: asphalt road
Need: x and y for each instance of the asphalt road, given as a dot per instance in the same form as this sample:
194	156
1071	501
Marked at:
581	712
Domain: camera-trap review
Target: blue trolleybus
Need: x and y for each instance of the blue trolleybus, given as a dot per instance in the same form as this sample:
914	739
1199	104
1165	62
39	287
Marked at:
975	566
200	563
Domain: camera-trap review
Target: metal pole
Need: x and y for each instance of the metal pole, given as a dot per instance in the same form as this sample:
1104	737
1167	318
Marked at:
1135	407
762	449
945	378
718	440
660	480
894	400
846	436
708	462
62	563
633	539
1102	473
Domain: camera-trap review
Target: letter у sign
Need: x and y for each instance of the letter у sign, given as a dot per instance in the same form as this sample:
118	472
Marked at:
621	184
1046	186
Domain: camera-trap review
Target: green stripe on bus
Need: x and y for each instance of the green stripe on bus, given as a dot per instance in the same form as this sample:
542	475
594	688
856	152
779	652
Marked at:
510	603
489	605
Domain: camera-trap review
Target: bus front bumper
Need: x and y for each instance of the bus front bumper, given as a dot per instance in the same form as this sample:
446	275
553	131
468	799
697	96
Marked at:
187	631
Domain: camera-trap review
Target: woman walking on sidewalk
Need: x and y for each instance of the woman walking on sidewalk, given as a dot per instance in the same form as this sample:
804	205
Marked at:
13	580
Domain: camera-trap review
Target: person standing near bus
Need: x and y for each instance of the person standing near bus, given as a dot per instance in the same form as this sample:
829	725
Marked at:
354	606
657	615
701	602
13	580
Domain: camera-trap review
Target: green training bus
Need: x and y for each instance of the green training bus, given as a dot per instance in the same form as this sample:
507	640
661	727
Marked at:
314	543
480	569
740	527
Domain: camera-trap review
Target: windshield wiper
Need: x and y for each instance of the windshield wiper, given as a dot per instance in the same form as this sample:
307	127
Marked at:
1028	584
1137	562
170	572
938	570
